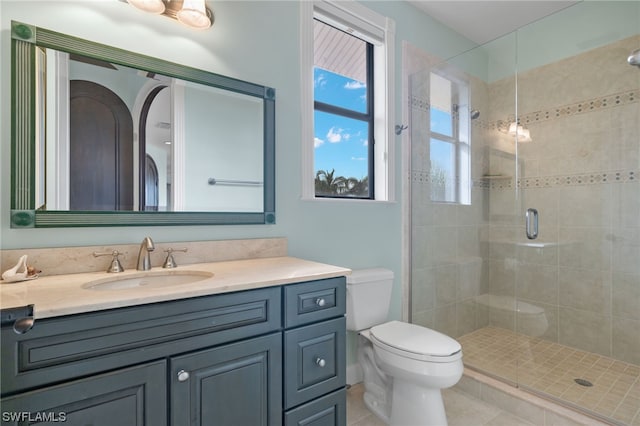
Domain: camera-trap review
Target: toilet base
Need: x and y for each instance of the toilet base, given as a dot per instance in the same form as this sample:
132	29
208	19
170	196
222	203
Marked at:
414	405
376	404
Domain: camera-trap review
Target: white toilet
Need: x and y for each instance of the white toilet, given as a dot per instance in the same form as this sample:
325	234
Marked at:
404	365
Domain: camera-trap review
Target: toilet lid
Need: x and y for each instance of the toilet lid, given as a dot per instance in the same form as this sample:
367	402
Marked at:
414	339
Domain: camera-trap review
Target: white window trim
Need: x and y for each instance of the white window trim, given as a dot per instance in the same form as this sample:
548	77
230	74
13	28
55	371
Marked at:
384	75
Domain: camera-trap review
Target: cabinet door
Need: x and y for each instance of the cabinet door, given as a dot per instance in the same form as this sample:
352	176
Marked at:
232	385
129	397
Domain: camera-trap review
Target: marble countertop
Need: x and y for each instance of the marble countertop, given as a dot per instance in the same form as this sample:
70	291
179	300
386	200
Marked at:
59	295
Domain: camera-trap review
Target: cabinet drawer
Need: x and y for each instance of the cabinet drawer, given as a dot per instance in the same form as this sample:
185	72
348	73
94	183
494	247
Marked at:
329	410
314	301
315	360
59	349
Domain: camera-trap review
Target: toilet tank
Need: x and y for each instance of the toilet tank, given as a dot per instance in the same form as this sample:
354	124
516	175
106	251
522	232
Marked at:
368	297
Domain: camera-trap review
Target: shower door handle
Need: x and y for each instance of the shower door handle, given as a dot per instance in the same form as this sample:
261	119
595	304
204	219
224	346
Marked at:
531	219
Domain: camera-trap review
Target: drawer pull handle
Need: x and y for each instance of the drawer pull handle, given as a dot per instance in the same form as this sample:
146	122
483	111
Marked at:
321	362
183	376
321	302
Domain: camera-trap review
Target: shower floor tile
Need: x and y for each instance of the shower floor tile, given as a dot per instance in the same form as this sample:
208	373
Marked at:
552	368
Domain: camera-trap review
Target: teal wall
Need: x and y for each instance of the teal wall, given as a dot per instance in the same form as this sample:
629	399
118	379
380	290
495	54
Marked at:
254	41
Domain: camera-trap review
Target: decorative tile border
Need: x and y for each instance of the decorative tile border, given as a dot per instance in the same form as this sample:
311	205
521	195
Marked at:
419	103
577	179
581	107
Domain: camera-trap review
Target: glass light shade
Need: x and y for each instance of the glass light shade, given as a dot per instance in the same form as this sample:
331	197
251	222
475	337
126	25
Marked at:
151	6
524	135
194	14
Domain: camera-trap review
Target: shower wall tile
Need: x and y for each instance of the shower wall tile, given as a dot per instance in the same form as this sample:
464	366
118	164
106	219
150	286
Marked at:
626	345
502	319
441	246
423	318
626	213
445	279
585	248
626	250
502	276
468	242
585	330
626	296
537	283
422	290
586	290
473	278
445	320
586	206
472	214
466	317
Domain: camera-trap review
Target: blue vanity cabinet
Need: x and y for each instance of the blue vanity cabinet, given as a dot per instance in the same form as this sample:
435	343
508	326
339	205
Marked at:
315	353
114	367
267	356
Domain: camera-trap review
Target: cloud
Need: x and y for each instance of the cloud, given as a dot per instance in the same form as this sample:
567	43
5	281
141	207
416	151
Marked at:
320	81
354	85
335	135
358	158
317	142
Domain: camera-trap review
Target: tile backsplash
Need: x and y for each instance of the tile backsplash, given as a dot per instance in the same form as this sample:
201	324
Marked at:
70	260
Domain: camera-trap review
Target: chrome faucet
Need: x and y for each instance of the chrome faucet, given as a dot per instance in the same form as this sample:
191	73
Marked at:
144	258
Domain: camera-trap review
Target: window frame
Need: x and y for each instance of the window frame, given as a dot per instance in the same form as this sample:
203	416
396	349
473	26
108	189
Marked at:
363	22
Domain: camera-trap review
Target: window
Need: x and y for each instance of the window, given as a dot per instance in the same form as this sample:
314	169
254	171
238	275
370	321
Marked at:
346	102
343	114
449	150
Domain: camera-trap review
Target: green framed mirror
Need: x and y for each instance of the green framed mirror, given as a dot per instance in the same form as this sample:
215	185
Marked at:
106	137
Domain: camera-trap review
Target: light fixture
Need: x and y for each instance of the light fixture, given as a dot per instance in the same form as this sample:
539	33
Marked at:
512	128
521	133
193	13
151	6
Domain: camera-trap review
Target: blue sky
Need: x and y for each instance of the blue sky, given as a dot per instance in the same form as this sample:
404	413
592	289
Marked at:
340	143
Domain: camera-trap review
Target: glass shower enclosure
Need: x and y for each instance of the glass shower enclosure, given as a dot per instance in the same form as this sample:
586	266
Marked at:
525	206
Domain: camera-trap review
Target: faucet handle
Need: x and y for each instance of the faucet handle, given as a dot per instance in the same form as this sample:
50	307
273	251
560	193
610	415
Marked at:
170	262
115	265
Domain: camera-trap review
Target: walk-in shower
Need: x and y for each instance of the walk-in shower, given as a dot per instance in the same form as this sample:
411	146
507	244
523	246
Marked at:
557	315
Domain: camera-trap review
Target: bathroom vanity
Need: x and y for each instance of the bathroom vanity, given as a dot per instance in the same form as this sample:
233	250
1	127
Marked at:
262	342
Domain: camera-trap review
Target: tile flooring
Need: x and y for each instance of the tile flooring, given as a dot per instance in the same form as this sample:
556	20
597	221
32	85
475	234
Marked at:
551	368
462	410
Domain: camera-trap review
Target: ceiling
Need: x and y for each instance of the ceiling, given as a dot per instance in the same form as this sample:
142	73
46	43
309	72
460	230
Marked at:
482	21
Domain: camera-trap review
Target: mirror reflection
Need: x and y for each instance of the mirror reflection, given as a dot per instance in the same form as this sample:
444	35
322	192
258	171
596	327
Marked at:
116	138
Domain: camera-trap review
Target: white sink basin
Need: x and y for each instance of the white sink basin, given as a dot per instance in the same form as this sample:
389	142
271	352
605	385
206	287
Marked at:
150	279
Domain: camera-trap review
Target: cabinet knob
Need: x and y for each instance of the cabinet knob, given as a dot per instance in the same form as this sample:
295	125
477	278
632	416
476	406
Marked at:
321	362
321	302
183	376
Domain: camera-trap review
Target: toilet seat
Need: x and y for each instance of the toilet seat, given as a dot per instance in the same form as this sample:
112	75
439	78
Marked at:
415	342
